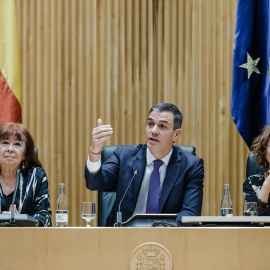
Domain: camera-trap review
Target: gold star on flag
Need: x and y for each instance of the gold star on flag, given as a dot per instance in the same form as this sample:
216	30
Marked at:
251	65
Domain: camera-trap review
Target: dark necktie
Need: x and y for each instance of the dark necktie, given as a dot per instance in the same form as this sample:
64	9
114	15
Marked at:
154	187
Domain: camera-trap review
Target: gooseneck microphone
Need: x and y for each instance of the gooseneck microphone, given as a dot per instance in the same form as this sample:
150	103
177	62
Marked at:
119	214
12	210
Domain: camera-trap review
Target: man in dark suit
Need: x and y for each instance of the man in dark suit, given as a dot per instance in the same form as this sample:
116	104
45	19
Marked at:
167	179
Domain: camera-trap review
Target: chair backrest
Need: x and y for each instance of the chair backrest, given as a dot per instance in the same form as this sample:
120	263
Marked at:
252	168
106	198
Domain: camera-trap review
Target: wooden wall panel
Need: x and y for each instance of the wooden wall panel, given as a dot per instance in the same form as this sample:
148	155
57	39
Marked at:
114	59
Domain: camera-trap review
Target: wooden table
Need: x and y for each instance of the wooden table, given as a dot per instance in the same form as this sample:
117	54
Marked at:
111	248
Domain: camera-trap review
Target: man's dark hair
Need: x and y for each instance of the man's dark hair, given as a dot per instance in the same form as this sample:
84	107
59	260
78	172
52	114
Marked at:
168	107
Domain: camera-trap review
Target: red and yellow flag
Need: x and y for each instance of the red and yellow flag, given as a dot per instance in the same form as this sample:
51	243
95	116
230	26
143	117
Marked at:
10	81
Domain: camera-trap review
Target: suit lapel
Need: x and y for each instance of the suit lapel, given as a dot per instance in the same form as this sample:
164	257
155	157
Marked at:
139	164
172	173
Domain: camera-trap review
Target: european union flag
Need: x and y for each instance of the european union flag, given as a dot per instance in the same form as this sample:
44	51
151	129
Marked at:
250	104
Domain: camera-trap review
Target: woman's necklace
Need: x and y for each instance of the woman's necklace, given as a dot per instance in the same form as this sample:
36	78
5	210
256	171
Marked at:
7	186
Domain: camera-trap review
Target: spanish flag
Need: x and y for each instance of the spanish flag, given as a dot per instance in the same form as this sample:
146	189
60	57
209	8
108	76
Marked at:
10	81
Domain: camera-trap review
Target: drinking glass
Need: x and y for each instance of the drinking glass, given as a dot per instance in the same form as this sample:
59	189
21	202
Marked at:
88	212
250	209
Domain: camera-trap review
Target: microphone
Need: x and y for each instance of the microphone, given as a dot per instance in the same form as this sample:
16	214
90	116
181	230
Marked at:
12	211
119	214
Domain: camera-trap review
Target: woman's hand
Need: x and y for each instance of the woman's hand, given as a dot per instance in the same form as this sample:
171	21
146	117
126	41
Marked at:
9	211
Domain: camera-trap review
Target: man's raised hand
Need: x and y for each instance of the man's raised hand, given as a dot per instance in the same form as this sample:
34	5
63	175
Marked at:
100	134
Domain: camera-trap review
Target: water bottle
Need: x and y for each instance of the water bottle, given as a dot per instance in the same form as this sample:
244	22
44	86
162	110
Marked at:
61	208
226	208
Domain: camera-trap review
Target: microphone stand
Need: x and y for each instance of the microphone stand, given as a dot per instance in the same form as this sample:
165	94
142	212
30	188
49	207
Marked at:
12	211
119	214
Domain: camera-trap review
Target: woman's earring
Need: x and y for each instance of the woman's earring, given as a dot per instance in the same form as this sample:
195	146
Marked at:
23	166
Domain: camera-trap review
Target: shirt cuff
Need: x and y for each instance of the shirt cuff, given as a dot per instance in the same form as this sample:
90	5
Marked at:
93	167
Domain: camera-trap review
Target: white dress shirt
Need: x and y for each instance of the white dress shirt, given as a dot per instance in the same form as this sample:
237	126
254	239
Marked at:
93	167
143	195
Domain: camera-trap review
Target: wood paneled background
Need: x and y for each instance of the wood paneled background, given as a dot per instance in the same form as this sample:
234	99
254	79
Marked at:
114	59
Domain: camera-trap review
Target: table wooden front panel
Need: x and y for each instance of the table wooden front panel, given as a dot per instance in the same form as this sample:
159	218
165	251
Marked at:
110	248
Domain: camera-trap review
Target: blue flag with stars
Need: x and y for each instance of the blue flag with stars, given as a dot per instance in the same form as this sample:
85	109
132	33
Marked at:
250	104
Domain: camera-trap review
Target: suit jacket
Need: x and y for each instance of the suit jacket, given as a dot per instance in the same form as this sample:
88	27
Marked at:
182	190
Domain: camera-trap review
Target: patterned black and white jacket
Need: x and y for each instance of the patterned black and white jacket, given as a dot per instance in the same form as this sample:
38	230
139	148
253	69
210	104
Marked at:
251	189
32	196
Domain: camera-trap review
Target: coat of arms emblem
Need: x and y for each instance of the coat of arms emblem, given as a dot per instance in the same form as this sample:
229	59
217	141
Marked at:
150	256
